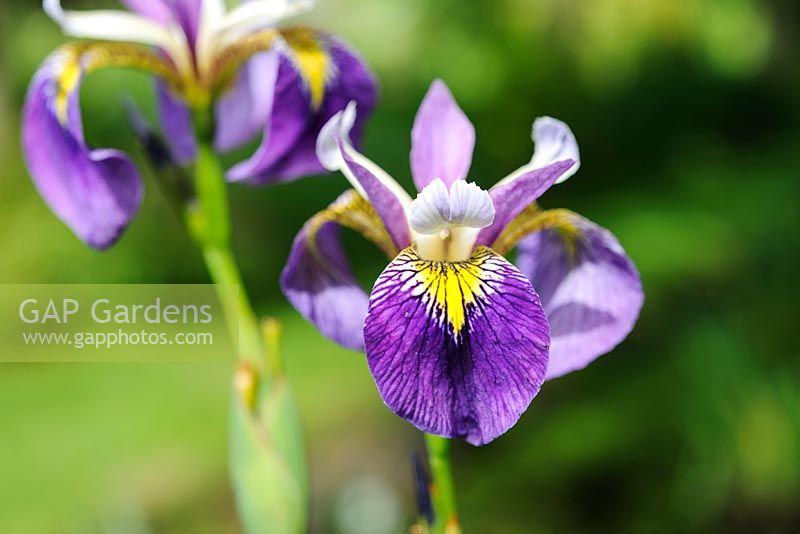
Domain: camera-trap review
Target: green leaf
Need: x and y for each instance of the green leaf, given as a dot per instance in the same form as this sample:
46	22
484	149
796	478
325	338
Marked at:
268	460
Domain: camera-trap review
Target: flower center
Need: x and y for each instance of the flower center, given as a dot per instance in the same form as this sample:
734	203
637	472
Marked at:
445	222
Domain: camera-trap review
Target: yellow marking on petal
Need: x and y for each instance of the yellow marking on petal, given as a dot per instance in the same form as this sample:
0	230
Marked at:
76	59
452	286
67	81
311	59
534	220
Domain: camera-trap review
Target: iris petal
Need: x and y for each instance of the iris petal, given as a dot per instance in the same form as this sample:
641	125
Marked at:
176	121
96	192
458	349
317	278
589	287
117	25
387	197
442	139
318	76
512	197
244	110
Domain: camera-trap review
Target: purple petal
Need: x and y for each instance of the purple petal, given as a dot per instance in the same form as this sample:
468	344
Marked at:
156	10
176	121
589	288
187	14
288	149
385	202
317	280
243	112
511	197
95	192
457	349
442	139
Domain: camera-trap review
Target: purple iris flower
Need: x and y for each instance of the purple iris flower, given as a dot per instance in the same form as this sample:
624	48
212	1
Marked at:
458	339
283	84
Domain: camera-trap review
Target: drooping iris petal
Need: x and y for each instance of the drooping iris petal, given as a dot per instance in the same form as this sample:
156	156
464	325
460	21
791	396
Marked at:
442	139
457	349
118	25
512	197
244	110
319	283
96	192
176	121
589	288
317	77
317	279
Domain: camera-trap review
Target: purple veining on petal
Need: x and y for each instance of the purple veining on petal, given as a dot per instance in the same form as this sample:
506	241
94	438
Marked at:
512	197
442	139
317	280
96	192
176	121
288	149
458	365
243	111
590	290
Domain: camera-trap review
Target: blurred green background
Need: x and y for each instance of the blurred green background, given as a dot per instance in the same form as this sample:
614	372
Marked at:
687	114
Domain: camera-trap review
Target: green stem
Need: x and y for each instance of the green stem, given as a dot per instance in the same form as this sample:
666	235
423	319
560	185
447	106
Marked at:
235	304
208	220
443	490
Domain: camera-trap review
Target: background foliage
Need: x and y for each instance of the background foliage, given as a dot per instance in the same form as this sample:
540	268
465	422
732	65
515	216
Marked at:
687	117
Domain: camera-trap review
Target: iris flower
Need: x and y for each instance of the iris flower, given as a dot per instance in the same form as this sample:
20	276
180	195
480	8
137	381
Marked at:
457	338
282	83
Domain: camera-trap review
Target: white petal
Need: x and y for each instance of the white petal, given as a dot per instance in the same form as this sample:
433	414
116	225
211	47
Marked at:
257	15
470	205
115	25
337	126
212	13
430	211
336	132
465	205
554	142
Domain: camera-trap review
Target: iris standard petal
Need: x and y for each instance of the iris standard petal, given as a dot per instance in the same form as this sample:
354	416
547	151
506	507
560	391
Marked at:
317	77
317	279
96	192
176	121
457	349
243	111
512	197
442	139
155	10
187	14
589	288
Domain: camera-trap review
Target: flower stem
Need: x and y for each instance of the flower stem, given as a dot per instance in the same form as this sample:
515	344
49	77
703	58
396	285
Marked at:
208	222
443	491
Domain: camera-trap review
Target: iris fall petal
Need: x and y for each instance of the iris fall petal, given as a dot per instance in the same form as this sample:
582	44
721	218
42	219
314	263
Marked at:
457	349
589	288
